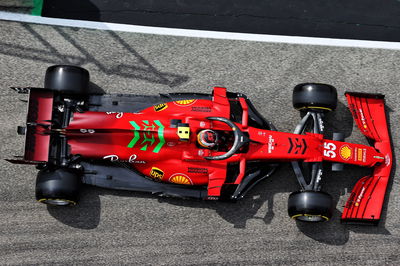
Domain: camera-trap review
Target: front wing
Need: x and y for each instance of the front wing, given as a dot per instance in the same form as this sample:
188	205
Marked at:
367	197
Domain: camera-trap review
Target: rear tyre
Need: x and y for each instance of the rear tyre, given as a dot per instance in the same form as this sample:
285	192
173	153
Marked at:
310	206
57	187
67	79
315	96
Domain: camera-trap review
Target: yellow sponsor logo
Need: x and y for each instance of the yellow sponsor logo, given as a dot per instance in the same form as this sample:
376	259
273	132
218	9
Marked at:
345	152
185	102
160	107
183	133
181	179
156	173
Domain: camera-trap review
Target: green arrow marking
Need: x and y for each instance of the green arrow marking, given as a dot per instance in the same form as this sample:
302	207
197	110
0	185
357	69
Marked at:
160	136
147	126
136	135
148	135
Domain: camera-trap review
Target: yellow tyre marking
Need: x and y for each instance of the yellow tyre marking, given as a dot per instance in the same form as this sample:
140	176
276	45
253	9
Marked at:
44	199
308	215
315	107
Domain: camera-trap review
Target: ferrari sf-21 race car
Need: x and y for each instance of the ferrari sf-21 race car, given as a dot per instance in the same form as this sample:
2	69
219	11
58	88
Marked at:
190	145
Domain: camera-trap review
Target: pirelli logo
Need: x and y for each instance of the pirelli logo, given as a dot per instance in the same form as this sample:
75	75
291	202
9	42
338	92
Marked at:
160	107
156	173
359	154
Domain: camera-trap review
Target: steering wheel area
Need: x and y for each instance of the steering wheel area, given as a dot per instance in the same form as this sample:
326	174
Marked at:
240	139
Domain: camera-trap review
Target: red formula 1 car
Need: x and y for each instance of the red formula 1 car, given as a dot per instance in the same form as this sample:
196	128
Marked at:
207	146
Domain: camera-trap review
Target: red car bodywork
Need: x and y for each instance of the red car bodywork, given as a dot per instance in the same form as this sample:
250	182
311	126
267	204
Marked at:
366	199
153	145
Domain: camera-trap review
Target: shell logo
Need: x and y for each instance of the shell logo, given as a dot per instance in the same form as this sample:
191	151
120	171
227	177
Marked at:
185	102
181	179
345	152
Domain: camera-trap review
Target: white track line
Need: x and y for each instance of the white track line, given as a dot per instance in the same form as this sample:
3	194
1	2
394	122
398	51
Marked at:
198	33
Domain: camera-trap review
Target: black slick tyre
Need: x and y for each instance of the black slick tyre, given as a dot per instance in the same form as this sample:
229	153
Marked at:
57	187
72	80
310	206
315	96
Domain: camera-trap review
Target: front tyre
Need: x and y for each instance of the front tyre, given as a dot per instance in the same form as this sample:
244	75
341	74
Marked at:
310	206
58	187
315	96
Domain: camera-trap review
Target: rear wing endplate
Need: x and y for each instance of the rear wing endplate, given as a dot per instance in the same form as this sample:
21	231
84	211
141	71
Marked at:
38	122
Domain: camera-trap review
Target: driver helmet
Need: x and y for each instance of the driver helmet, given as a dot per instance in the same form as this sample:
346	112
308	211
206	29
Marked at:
207	138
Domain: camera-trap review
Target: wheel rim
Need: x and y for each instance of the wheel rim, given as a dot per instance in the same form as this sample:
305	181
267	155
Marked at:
310	218
57	202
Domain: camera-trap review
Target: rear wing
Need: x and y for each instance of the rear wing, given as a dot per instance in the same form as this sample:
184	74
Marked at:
367	197
39	115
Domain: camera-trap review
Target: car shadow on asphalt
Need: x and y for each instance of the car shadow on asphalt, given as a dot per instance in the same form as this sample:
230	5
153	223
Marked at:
85	215
134	66
95	89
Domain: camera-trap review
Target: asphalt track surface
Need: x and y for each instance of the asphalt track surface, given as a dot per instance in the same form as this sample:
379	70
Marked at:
113	227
